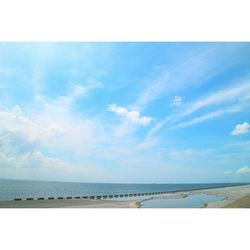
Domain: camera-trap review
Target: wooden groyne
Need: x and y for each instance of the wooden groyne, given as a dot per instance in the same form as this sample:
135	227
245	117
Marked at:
96	197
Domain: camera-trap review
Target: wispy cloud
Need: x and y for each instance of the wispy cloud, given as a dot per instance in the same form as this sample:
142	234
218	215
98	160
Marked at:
189	69
233	99
76	92
209	116
232	94
155	89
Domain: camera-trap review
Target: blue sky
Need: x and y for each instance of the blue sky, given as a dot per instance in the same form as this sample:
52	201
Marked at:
125	112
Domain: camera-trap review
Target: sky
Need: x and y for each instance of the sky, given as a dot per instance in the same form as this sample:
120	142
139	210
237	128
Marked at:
133	112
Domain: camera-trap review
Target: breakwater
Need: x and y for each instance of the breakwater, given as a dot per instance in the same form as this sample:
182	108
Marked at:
97	197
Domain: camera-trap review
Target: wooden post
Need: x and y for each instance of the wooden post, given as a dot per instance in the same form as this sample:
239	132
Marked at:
17	199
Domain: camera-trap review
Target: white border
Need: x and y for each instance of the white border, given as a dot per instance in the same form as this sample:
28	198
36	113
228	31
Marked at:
125	229
116	20
120	20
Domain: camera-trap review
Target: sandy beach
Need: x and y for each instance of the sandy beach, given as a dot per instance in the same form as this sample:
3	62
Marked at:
74	203
235	197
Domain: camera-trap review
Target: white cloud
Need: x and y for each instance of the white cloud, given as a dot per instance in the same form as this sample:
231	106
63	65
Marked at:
131	120
241	129
133	116
15	123
56	127
177	101
23	140
51	128
243	170
7	161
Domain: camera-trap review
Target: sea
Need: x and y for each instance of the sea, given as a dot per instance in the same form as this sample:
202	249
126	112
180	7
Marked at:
11	189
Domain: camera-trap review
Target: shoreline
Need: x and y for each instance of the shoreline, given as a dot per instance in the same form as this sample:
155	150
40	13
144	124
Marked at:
235	197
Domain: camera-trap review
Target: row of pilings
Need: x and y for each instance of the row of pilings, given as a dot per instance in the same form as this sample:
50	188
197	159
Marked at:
92	197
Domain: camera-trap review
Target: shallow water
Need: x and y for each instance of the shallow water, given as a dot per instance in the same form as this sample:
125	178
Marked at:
192	201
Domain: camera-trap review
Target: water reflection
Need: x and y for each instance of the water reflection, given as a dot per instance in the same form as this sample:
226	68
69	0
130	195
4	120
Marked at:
191	201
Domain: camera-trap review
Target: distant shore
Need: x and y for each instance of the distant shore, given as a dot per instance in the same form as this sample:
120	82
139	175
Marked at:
235	197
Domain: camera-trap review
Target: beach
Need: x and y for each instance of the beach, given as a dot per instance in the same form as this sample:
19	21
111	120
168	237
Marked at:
74	203
235	197
232	197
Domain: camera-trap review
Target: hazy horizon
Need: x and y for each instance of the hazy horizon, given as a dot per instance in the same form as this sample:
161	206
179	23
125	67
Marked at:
127	183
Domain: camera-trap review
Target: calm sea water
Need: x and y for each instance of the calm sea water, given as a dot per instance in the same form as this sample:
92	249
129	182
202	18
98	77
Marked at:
10	189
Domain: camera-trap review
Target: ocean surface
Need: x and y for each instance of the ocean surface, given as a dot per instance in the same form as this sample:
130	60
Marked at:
11	189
